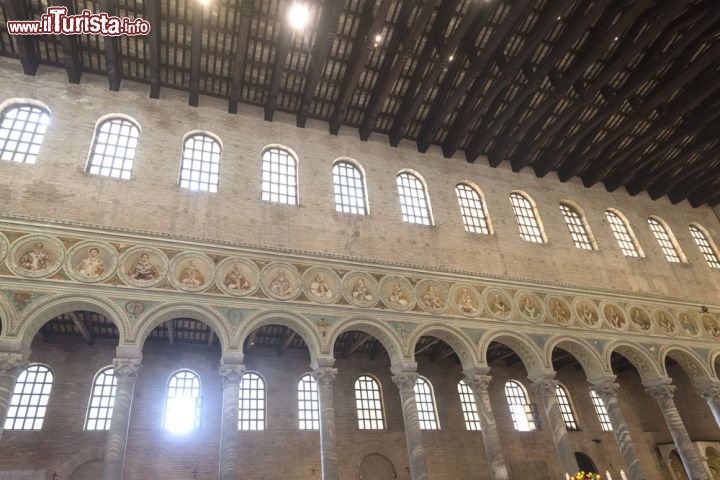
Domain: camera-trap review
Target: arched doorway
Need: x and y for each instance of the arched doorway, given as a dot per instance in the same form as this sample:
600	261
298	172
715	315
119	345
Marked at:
376	467
585	463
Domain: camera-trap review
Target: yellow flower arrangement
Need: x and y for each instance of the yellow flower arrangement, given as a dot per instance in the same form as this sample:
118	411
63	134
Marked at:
582	475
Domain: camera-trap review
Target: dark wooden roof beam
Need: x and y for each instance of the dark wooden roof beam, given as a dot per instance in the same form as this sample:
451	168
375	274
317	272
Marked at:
25	44
82	327
359	55
326	34
416	95
402	56
71	50
595	46
452	95
153	14
112	49
651	63
287	340
281	52
196	53
170	327
359	342
427	346
678	191
509	69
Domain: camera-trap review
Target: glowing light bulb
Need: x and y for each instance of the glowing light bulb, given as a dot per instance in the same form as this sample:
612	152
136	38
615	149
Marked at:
378	38
299	16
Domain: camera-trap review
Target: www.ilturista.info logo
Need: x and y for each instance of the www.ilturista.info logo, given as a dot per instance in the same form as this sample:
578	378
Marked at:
57	21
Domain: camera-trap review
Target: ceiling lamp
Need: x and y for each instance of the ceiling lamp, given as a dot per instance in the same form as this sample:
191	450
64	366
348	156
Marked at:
299	16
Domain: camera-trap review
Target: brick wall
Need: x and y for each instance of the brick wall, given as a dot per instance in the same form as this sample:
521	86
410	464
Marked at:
282	451
57	188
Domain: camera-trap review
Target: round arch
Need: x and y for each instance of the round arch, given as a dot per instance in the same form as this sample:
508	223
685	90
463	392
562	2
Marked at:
45	309
384	334
647	367
164	312
24	101
460	344
66	470
698	371
532	358
591	362
301	325
713	358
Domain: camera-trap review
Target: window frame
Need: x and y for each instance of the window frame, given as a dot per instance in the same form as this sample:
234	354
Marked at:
530	413
577	213
468	407
296	175
601	411
480	207
189	136
567	409
375	405
111	404
531	238
407	217
198	403
363	185
713	263
263	401
628	231
314	404
18	104
108	119
37	404
426	424
677	252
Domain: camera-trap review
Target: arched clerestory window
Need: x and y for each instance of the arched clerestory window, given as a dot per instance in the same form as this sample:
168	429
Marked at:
102	400
425	400
468	406
566	409
113	149
308	403
279	176
666	240
349	188
601	411
182	402
527	218
624	235
30	398
705	245
22	129
251	404
414	202
579	229
200	167
472	209
368	403
524	414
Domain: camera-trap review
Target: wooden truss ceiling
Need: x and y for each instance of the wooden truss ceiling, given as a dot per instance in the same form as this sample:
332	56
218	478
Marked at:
623	92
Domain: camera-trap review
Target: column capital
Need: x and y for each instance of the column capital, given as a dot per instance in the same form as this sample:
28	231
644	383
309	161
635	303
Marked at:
710	391
545	386
405	380
325	375
661	391
231	372
12	363
126	368
478	383
605	388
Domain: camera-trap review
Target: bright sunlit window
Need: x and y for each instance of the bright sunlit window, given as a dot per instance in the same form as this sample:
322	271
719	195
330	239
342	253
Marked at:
468	405
251	412
308	403
200	168
523	414
601	411
22	128
182	408
425	400
29	399
102	400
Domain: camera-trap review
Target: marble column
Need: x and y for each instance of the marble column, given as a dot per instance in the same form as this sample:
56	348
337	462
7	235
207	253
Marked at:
607	391
126	371
711	394
11	364
328	443
689	453
405	382
229	436
566	453
480	385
